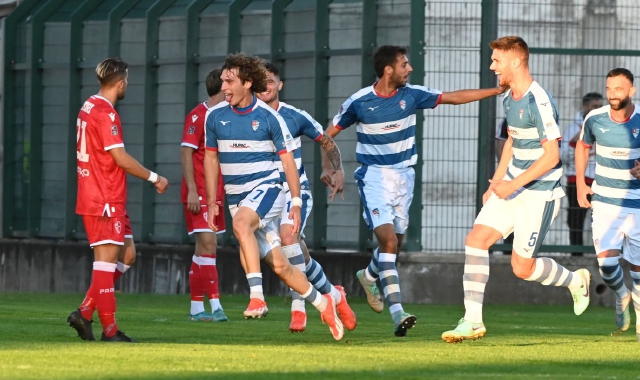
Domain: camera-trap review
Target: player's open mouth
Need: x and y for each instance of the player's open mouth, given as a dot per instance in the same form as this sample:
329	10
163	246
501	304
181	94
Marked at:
227	97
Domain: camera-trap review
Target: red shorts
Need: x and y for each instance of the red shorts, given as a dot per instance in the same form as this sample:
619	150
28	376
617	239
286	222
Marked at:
106	230
198	222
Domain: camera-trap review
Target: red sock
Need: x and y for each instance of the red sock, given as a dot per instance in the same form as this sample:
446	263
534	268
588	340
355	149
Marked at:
120	269
116	276
88	306
196	284
104	296
210	276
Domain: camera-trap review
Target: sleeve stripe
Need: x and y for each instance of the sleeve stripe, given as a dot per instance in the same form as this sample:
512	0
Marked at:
438	101
107	148
189	145
319	137
339	127
283	151
212	149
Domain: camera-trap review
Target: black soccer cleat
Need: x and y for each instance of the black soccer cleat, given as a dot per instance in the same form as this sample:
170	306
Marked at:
81	325
119	337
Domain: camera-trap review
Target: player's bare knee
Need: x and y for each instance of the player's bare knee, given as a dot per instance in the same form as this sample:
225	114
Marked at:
282	268
287	238
522	271
476	241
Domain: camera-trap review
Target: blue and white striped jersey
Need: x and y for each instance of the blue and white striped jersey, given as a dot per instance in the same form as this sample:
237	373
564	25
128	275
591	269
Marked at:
248	141
533	120
386	126
617	146
299	123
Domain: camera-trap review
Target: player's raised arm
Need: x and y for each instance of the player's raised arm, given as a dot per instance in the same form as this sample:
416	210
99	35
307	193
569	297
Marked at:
133	167
468	96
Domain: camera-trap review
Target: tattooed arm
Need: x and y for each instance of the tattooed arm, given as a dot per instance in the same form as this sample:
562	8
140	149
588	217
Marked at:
333	155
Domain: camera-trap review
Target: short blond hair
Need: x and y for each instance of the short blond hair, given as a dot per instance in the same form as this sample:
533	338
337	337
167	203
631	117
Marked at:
111	70
513	44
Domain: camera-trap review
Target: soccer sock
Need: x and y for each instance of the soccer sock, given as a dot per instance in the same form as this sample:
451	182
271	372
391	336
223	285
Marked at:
209	272
104	296
120	269
371	273
474	281
611	273
390	283
88	306
317	278
255	286
316	299
296	258
549	272
196	286
635	295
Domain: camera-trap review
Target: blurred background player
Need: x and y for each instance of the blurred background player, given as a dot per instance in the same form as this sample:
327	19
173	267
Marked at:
244	136
300	123
385	117
524	195
615	131
570	136
102	195
203	274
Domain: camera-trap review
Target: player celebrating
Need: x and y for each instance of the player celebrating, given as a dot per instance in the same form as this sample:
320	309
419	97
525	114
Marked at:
300	123
386	150
102	195
203	275
615	130
243	136
524	195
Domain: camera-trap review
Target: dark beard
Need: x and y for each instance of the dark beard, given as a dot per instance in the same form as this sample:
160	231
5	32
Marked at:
623	103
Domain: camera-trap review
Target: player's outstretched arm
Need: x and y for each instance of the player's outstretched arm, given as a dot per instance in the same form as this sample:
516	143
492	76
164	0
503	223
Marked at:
186	158
211	167
332	154
581	158
327	168
468	96
293	180
133	167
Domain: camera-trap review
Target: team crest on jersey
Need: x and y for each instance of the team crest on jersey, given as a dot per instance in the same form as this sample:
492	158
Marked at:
114	130
205	215
87	106
255	124
112	116
118	226
375	212
521	112
635	132
194	118
403	104
191	130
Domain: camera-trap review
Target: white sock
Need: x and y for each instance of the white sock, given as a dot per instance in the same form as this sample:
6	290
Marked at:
215	304
255	286
335	294
197	307
319	301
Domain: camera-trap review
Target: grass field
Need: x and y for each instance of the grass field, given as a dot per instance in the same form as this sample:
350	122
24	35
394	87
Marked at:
522	342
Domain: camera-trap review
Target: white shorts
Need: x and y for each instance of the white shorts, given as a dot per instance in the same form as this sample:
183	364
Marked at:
305	211
529	219
386	196
616	229
267	201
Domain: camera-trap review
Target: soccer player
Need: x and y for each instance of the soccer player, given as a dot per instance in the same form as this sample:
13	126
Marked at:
243	138
300	123
615	131
524	194
102	195
386	151
203	274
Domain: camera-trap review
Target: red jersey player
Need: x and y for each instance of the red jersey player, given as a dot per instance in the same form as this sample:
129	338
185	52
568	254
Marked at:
203	275
102	194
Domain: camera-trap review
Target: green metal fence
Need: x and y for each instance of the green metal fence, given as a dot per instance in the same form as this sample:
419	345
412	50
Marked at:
51	48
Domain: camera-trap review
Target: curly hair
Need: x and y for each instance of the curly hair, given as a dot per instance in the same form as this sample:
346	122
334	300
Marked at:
250	68
213	82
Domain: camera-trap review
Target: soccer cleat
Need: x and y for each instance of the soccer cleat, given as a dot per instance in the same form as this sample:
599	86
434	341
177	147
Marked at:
581	295
119	337
464	331
81	325
347	316
372	292
623	318
256	309
219	316
298	321
203	316
330	317
405	322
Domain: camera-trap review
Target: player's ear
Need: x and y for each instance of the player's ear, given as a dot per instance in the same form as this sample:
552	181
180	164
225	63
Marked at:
388	70
280	85
632	91
516	63
247	84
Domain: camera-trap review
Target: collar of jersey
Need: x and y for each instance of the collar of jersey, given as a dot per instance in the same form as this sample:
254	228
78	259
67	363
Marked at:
105	99
373	88
245	110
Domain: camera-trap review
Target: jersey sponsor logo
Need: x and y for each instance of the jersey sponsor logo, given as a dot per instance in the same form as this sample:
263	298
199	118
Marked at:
112	116
521	112
118	226
87	106
635	132
374	108
239	146
225	122
194	118
544	104
255	124
619	153
390	127
114	130
191	130
403	104
512	132
603	130
83	172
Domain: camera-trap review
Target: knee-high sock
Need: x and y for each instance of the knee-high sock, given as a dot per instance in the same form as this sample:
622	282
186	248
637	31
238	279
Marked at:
104	296
317	278
635	295
474	281
255	286
390	283
611	273
88	305
549	272
372	271
296	258
209	271
196	286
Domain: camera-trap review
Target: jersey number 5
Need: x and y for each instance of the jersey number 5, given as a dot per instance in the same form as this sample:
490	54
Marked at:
81	136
